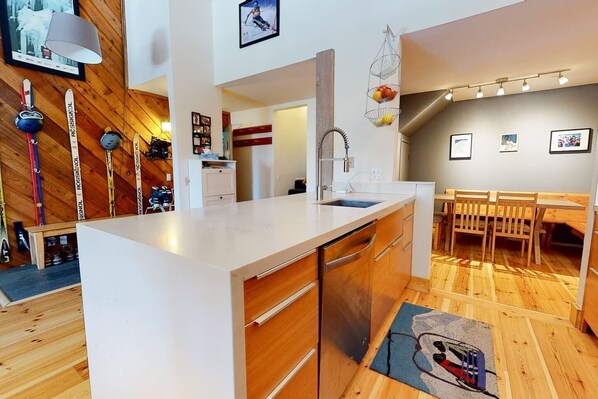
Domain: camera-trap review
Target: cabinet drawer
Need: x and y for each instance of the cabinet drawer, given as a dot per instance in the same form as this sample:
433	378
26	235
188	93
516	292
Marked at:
303	383
219	200
381	286
590	297
388	229
408	230
218	181
263	292
408	209
275	347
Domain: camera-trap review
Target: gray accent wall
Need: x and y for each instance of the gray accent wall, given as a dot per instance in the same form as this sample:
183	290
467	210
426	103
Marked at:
532	116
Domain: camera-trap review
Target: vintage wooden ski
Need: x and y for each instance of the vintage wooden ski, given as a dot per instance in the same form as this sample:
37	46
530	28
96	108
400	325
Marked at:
69	102
110	173
38	199
138	188
4	245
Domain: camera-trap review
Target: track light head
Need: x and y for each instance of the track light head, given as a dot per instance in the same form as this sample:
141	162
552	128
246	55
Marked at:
525	86
500	91
480	93
449	95
562	79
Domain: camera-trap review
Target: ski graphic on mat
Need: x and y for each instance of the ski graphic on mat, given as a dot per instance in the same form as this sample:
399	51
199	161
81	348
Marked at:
30	121
69	102
138	188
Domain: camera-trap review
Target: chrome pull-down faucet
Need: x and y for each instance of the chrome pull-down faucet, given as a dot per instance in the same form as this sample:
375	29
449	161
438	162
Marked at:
347	163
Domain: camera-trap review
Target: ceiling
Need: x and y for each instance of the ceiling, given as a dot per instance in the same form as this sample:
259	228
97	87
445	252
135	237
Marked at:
524	39
530	37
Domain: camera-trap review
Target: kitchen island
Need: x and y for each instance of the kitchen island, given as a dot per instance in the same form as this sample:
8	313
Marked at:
163	294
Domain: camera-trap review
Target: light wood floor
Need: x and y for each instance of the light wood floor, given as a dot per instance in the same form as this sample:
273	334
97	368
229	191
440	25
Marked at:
538	353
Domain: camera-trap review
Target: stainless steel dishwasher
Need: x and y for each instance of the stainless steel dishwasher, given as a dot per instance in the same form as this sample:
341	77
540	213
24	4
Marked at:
345	278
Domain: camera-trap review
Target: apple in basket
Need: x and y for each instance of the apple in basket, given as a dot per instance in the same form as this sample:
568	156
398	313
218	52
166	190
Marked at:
384	93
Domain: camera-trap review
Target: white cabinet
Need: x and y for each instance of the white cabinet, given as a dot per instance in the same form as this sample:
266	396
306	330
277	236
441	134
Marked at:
212	182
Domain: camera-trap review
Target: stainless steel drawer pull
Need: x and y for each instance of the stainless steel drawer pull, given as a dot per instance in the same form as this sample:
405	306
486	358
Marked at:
291	374
377	258
284	304
594	271
333	264
397	241
285	264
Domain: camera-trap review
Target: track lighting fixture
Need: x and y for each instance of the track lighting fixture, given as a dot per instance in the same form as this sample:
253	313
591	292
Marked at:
525	86
500	91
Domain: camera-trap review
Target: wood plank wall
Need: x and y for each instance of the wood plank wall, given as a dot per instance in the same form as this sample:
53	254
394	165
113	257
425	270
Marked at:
100	102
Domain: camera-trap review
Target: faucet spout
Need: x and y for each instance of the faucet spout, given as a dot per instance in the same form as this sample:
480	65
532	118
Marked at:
347	164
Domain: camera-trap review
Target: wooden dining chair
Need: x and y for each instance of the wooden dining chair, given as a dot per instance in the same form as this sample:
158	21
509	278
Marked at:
470	214
514	218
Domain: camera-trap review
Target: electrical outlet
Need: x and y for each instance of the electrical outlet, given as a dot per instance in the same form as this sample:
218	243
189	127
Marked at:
168	177
375	174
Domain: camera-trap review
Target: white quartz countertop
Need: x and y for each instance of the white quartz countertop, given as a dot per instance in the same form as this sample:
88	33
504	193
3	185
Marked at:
250	237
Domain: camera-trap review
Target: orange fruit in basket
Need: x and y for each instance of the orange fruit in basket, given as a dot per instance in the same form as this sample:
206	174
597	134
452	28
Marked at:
386	92
392	95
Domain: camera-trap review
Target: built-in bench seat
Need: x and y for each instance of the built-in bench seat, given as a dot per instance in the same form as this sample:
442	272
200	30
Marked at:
576	219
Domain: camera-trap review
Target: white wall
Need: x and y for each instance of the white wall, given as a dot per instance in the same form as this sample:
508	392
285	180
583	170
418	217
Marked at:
255	164
148	40
354	31
532	116
191	85
256	167
290	148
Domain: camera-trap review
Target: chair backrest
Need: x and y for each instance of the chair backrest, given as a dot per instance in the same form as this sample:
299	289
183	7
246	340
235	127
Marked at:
515	210
471	211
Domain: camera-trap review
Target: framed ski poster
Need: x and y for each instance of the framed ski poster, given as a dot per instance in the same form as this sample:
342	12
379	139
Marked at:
258	21
24	28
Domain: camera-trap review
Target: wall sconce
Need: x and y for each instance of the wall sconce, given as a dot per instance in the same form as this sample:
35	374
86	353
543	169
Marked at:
500	81
73	37
165	126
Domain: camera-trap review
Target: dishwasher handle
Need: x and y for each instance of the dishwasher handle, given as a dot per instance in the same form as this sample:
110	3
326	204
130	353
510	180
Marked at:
333	264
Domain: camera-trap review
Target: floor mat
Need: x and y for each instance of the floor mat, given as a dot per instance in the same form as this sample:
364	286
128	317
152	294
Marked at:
27	282
439	353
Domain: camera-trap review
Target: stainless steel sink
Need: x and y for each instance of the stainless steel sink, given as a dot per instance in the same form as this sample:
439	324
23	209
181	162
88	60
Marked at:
349	203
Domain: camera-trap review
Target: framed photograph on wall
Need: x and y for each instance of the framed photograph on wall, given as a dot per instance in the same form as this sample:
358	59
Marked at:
24	29
570	141
258	21
460	146
509	142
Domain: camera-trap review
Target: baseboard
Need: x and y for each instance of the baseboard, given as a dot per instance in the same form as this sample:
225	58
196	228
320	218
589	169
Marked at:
575	316
419	284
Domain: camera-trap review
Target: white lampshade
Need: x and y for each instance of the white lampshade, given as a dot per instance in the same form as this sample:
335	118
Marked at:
75	38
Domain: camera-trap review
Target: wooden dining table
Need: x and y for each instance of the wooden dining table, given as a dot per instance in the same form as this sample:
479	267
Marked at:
542	205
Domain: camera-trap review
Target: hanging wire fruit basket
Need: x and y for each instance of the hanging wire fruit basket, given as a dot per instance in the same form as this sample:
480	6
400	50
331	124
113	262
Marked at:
383	111
383	93
387	60
382	116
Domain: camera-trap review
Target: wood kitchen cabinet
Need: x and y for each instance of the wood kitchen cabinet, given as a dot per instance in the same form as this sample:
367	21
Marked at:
392	263
212	182
281	331
590	296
